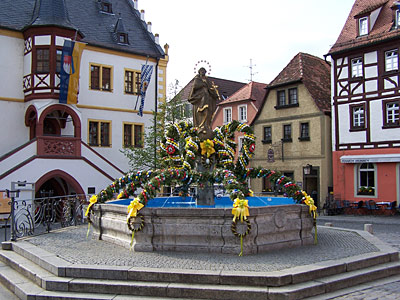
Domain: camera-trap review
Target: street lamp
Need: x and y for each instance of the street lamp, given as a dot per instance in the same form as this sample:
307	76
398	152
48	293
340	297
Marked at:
307	169
12	195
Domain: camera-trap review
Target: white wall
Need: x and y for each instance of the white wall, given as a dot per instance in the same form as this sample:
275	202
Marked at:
85	174
11	67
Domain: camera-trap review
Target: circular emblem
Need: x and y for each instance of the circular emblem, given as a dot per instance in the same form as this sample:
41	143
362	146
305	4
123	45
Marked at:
170	149
252	147
280	218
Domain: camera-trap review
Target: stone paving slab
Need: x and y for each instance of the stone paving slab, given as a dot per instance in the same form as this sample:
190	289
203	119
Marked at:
72	245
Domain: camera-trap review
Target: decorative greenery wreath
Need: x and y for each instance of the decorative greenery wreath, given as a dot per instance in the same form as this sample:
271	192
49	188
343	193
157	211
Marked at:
181	150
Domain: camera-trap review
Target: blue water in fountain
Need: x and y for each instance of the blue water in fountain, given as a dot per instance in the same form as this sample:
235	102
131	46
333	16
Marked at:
220	202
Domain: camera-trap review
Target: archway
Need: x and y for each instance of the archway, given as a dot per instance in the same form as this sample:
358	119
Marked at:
31	121
57	183
54	120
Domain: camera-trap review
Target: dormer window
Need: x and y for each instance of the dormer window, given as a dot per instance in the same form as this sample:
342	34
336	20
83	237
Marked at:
123	38
106	7
363	26
120	34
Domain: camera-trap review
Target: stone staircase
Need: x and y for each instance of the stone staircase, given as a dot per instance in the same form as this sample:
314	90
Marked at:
33	273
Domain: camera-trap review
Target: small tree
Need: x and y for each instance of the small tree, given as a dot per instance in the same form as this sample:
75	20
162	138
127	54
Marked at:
148	156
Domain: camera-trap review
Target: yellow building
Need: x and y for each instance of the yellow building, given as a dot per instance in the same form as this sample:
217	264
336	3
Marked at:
293	128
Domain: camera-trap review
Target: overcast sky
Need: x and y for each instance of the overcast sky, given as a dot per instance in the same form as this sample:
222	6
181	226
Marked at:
227	34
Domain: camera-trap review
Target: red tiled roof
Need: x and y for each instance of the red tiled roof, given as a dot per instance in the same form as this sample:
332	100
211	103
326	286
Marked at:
254	91
313	72
381	30
225	87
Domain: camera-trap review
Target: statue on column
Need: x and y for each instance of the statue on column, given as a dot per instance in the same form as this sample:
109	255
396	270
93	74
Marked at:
203	97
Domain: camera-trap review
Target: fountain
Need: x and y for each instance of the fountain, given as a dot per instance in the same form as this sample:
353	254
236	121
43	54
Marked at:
195	155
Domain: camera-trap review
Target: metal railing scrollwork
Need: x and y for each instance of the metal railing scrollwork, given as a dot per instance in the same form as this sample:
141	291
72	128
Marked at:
39	215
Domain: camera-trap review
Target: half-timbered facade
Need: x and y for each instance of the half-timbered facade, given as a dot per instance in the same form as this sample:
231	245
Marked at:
66	148
366	103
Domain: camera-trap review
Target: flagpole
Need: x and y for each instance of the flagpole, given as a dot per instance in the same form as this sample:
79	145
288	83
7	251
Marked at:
137	98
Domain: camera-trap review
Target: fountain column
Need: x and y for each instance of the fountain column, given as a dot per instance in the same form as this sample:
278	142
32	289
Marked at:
204	96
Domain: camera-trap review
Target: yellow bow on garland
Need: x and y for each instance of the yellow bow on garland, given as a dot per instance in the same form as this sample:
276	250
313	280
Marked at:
92	200
313	212
207	147
240	209
133	208
310	203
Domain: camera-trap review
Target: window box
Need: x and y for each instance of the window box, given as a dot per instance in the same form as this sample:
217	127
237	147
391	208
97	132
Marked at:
304	139
266	141
366	190
287	106
287	140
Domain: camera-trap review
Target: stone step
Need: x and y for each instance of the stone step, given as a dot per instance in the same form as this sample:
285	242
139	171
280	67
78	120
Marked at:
29	280
61	268
25	289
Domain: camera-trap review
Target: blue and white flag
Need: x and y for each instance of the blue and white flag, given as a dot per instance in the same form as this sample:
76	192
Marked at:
145	77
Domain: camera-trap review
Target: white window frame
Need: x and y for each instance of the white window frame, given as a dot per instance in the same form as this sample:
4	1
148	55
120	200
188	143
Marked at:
397	24
370	184
356	67
240	143
392	113
363	26
242	113
227	115
358	116
391	60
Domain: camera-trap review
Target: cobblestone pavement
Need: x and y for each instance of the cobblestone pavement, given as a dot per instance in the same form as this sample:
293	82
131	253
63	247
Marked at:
387	229
67	243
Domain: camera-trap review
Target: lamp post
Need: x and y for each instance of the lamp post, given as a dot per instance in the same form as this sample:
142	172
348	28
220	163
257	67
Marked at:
12	195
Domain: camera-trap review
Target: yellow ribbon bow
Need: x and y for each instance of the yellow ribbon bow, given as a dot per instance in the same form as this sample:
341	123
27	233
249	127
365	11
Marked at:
310	203
92	201
207	147
134	207
240	209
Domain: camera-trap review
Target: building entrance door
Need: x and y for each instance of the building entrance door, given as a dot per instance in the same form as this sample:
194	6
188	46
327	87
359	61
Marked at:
311	185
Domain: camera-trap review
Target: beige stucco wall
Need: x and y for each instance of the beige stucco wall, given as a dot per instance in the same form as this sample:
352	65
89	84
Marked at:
296	154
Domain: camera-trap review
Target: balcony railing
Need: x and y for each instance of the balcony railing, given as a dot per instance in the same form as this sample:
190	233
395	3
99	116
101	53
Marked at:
58	146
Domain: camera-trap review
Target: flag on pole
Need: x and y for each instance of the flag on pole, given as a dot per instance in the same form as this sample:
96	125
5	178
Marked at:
145	77
69	73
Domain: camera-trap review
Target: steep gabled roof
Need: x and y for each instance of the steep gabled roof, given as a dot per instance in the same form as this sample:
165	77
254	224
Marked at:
96	26
253	91
313	72
382	28
225	87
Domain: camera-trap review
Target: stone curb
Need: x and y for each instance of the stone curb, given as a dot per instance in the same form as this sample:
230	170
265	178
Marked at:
60	267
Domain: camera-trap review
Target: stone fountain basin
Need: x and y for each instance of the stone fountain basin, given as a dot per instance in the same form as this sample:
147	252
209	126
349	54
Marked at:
205	230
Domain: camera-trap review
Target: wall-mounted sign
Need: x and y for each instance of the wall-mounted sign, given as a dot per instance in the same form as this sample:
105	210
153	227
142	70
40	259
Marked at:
270	156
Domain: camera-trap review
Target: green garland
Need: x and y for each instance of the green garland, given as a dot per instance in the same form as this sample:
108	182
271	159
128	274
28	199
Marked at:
181	149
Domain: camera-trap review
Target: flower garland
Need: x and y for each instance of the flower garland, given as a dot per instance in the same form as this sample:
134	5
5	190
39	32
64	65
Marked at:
180	148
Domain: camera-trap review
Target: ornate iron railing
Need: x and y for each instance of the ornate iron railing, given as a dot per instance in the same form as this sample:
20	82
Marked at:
31	217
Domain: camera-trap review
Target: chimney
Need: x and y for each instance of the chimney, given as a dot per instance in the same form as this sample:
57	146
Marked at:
157	38
142	14
135	4
149	26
